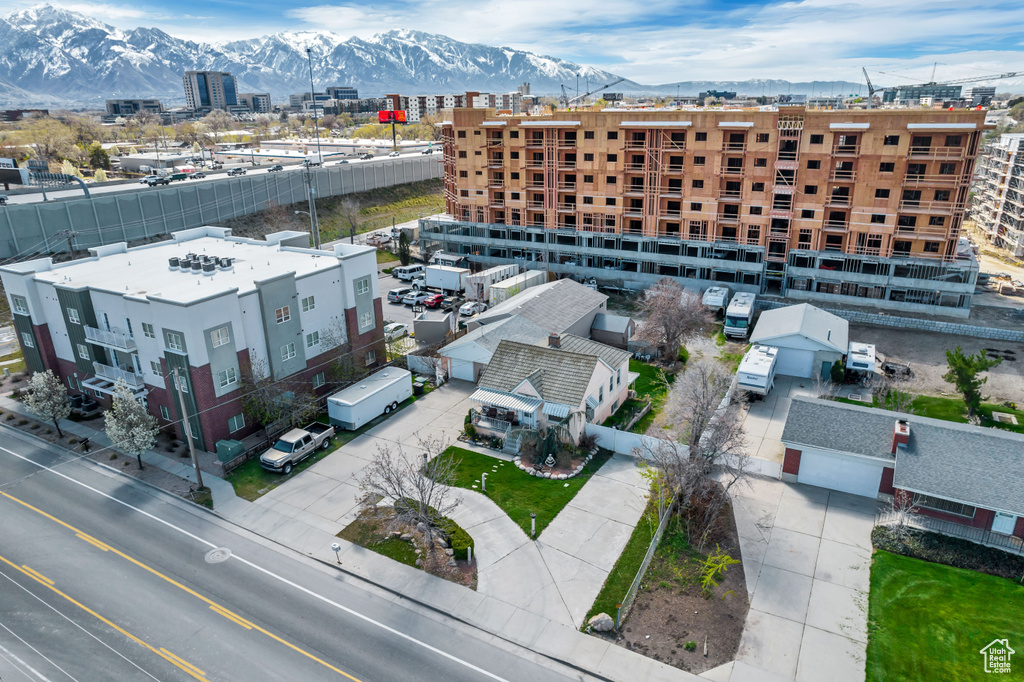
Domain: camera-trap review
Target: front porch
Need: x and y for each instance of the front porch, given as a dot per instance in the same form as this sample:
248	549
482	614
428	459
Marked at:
982	536
494	413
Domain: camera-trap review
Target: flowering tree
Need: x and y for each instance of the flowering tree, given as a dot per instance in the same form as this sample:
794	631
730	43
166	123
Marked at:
48	398
130	427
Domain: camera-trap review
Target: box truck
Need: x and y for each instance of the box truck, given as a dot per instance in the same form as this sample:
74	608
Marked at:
756	373
446	278
715	298
478	286
739	315
380	393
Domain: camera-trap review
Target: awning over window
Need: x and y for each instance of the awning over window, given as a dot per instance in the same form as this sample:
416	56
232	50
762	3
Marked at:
556	410
510	402
591	402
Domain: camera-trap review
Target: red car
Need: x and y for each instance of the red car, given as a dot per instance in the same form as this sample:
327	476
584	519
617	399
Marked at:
434	301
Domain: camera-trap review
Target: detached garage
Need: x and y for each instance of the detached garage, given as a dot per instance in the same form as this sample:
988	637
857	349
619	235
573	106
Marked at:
809	339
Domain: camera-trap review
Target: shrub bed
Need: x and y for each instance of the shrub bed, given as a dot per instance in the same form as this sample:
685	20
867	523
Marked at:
458	538
950	551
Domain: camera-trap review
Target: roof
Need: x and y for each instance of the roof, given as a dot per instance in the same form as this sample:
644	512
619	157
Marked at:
613	357
565	375
370	385
979	466
828	330
555	306
611	323
479	344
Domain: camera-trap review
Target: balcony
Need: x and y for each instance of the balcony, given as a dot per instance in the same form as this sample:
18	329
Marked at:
787	162
115	374
835	226
734	147
839	200
843	176
729	218
495	142
535	205
495	163
636	144
931	207
782	189
917	179
670	214
566	143
845	150
570	207
567	187
566	165
111	339
732	170
535	142
937	152
535	163
673	145
730	193
673	168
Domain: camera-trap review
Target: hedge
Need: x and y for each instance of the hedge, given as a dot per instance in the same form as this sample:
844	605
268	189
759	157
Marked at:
956	552
458	538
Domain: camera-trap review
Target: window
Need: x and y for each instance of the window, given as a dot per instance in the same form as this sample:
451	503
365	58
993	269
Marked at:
27	341
513	134
588	200
757	187
886	167
937	220
227	377
513	155
952	140
891	140
219	337
287	352
312	339
83	351
128	328
319	379
588	134
462	155
947	169
698	184
148	331
309	302
371	357
612	158
881	194
755	210
609	201
588	179
938	504
73	316
760	163
698	160
817	139
613	135
283	314
807	213
810	189
588	157
813	165
696	206
175	342
931	247
236	423
463	174
156	368
462	133
618	377
513	176
362	286
701	137
878	218
165	414
180	382
366	320
762	137
19	304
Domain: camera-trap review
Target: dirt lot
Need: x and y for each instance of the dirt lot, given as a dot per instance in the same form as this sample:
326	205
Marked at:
926	353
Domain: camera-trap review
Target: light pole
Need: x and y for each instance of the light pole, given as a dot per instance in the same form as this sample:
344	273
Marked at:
313	222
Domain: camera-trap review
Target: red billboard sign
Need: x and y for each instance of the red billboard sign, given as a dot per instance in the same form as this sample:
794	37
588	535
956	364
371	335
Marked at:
391	116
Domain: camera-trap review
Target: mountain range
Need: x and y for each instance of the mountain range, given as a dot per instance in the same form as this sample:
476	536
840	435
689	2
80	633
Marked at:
59	58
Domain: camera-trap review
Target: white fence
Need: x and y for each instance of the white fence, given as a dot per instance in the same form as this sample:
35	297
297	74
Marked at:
623	442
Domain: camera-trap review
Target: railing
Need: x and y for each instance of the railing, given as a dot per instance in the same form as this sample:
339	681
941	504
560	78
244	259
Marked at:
535	205
838	200
836	225
566	143
567	186
670	214
938	152
734	147
916	206
786	157
845	150
496	182
491	423
670	144
569	165
534	163
535	142
843	176
732	170
728	217
922	179
674	168
495	141
733	193
1008	543
636	144
117	374
111	339
567	207
633	167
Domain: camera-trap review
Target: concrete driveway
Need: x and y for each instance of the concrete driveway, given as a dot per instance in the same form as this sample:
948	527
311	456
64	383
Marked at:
807	556
764	420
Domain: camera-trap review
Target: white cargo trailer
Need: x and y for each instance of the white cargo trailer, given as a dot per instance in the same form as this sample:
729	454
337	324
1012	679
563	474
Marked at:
446	278
756	373
715	298
478	286
377	394
739	314
507	288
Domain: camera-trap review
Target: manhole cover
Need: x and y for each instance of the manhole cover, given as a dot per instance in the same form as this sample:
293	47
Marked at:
215	556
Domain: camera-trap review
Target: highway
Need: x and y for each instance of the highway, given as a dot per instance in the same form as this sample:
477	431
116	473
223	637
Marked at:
103	578
75	192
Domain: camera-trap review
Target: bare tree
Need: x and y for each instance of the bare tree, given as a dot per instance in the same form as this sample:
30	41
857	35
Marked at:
420	486
47	397
672	316
824	389
901	510
270	401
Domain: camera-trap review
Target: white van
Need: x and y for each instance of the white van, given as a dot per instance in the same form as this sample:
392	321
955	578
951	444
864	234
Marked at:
407	272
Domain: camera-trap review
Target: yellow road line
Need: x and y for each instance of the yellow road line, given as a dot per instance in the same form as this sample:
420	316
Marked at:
188	590
46	582
234	617
181	662
94	542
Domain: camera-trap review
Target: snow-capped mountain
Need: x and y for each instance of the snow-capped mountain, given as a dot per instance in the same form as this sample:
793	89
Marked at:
54	57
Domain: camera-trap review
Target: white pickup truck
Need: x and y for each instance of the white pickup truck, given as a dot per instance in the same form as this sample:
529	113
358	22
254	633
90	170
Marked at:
295	446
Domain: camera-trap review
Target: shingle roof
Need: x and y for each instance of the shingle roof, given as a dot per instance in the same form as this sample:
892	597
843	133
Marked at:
564	375
613	357
486	338
805	319
555	306
976	465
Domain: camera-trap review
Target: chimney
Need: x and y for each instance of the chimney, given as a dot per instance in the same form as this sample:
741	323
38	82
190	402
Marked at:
900	434
554	340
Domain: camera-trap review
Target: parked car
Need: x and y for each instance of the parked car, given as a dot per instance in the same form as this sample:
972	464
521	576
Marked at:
395	331
396	295
237	171
433	301
295	446
472	308
276	168
196	175
216	165
393	154
451	302
366	157
415	297
378	238
144	180
3	200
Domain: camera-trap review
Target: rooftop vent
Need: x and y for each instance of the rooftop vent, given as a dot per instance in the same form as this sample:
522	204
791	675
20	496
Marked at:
209	268
197	266
174	263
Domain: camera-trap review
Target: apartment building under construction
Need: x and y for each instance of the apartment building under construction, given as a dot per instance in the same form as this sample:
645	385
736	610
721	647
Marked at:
999	193
856	207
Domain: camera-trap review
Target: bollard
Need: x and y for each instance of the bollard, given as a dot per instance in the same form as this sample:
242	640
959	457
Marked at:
469	554
533	525
483	482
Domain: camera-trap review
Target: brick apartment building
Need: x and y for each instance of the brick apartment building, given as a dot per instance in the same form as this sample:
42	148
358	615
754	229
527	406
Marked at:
862	207
205	304
999	193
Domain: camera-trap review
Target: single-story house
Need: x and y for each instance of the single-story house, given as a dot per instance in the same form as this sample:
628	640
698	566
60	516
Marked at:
809	339
571	380
469	354
964	474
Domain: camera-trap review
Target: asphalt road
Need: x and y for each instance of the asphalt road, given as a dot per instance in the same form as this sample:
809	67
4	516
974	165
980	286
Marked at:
102	578
212	176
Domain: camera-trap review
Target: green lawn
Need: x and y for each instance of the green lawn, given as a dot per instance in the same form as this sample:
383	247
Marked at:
16	366
954	410
928	621
386	257
652	382
368	532
515	491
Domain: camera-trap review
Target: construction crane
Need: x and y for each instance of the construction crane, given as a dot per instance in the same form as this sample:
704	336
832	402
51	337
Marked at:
958	81
566	101
871	89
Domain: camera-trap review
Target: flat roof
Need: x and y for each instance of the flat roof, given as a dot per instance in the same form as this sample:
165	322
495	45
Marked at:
144	271
370	385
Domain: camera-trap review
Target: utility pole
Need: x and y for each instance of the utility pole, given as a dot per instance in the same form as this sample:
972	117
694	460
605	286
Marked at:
69	234
187	428
314	222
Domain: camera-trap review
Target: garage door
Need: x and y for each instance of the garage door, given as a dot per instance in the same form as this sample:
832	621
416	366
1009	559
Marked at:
463	369
795	363
836	472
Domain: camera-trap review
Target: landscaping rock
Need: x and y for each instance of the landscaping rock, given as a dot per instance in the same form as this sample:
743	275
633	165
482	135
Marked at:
421	527
547	474
562	477
451	562
442	543
419	562
450	552
602	622
407	537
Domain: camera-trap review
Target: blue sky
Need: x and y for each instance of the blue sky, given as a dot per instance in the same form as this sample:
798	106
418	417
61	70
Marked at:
650	41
